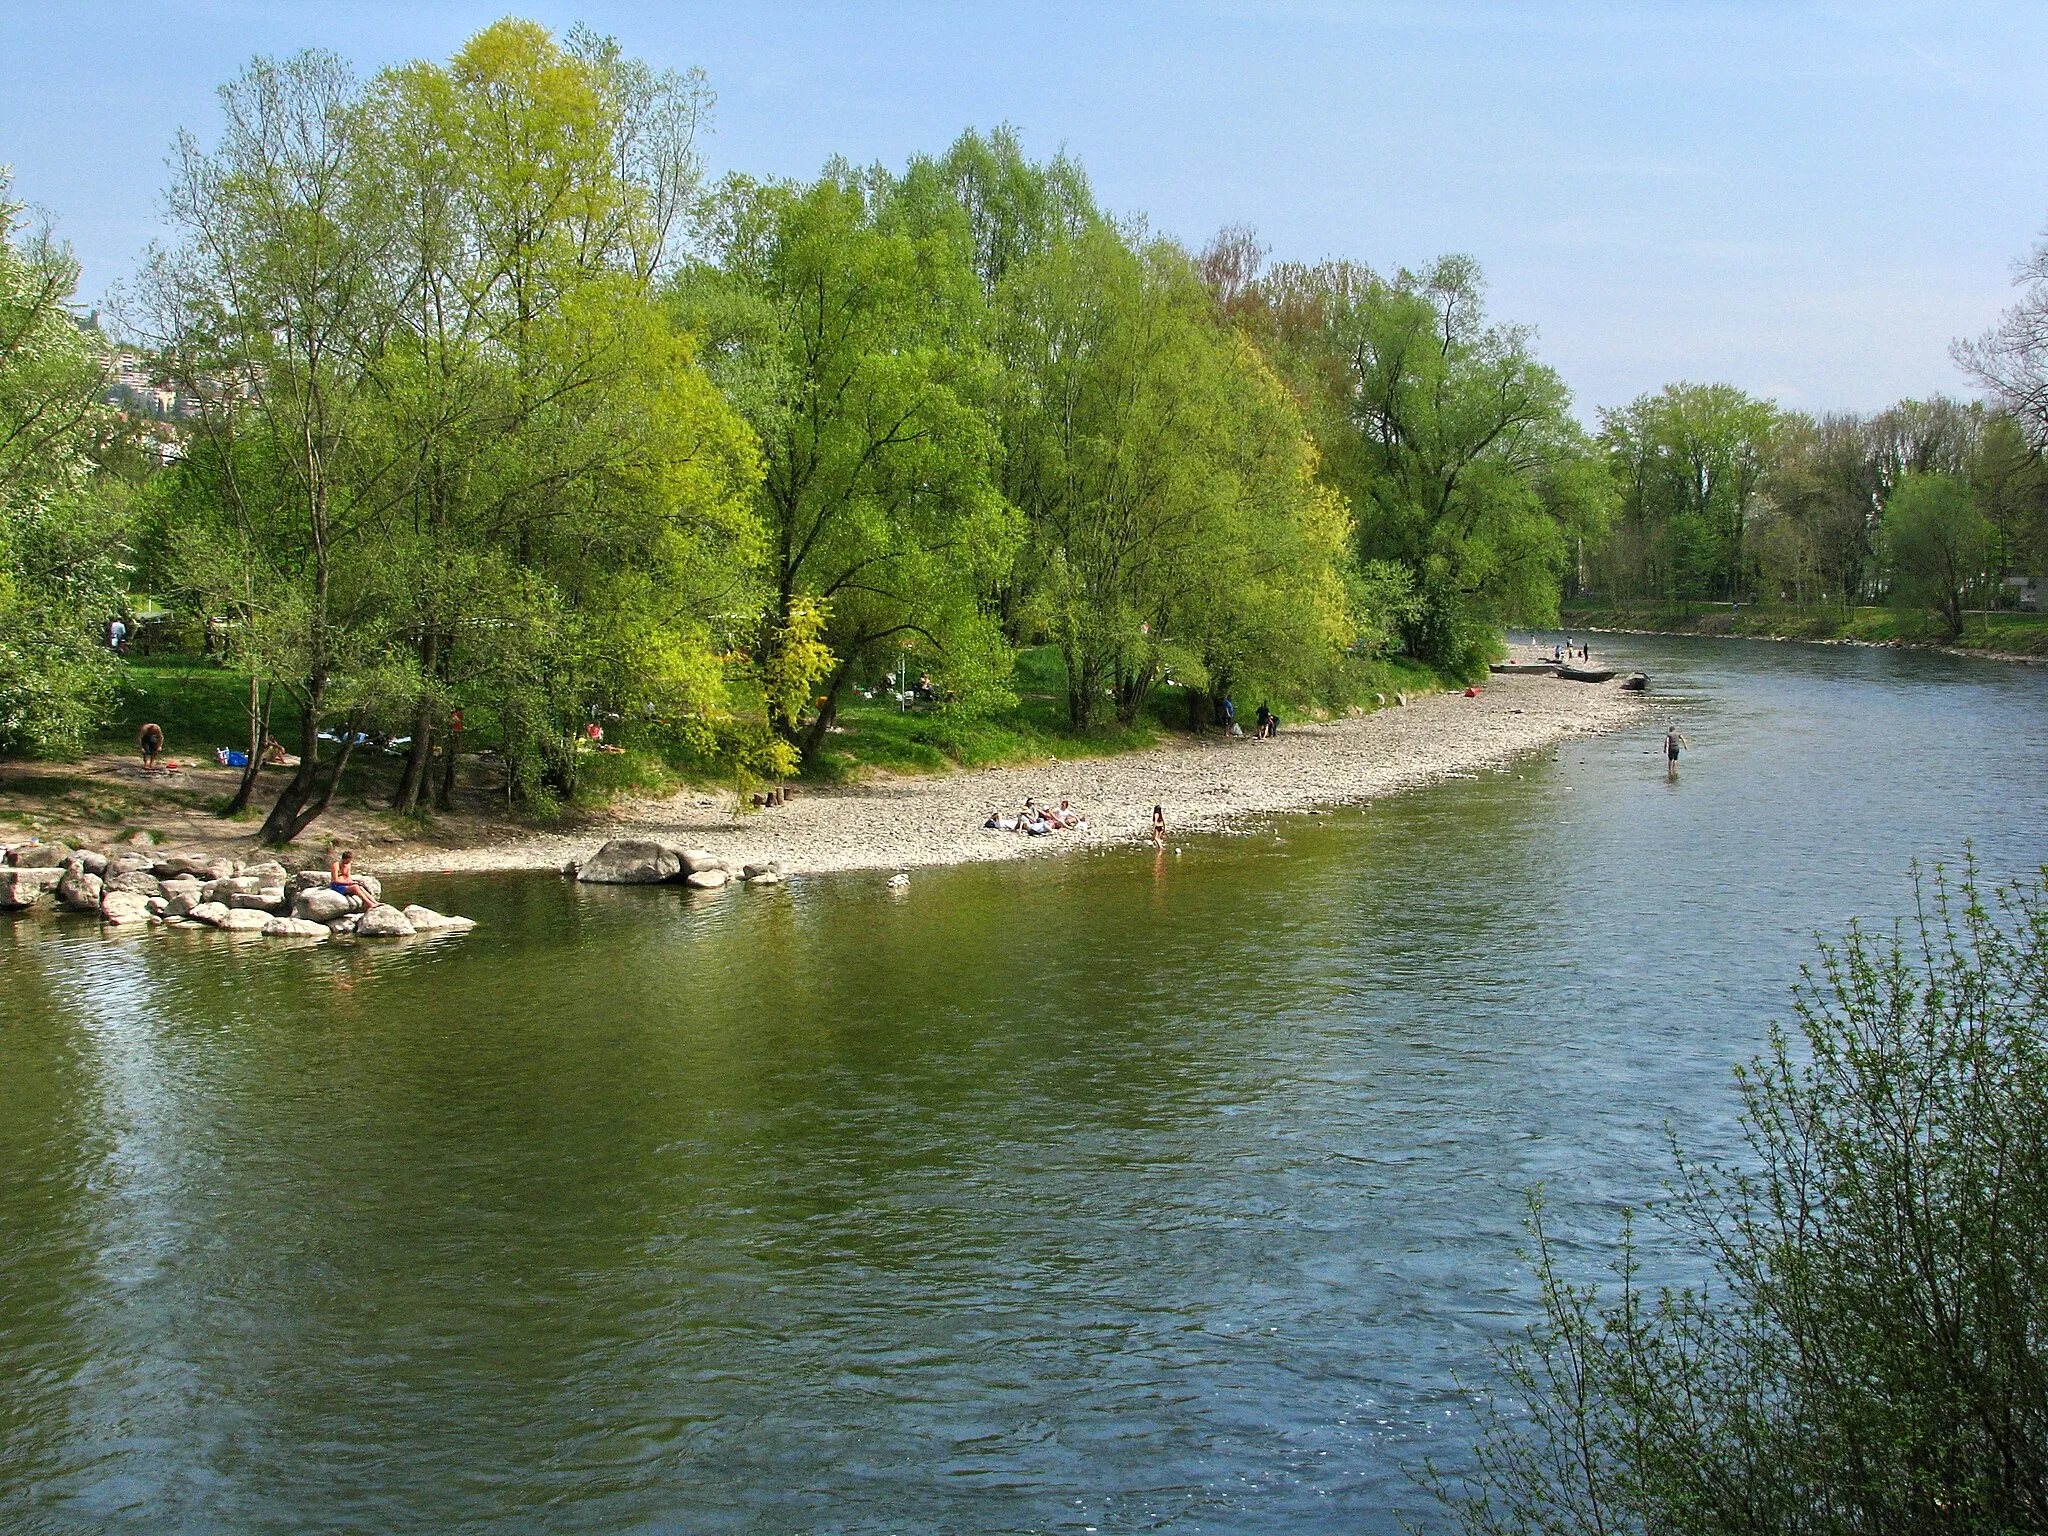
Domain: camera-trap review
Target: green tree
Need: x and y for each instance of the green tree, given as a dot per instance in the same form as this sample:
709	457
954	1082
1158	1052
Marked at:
57	577
1690	462
1453	444
1870	1350
1940	545
852	341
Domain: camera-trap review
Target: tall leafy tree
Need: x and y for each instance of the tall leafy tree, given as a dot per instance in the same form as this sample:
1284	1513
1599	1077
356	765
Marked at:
852	340
56	575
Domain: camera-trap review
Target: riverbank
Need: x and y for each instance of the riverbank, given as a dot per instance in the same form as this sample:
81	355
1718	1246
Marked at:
886	821
1987	636
907	822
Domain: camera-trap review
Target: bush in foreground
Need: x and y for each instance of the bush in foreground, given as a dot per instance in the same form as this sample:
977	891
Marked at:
1870	1353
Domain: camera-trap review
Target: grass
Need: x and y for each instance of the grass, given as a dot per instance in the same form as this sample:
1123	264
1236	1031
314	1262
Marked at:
200	705
874	733
2024	634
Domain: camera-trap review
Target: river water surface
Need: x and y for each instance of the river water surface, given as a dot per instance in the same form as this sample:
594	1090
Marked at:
1102	1193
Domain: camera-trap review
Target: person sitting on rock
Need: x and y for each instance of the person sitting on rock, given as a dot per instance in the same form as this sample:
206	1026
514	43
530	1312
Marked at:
342	880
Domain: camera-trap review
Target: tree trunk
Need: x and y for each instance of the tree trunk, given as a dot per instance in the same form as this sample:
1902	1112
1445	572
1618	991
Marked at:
413	782
444	797
828	712
292	798
259	742
1198	708
313	796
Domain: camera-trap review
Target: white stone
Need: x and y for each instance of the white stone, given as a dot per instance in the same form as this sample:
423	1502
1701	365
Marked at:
124	907
294	928
383	923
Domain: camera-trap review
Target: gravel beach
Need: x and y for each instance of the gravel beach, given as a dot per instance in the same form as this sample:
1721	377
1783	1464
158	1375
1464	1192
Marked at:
905	822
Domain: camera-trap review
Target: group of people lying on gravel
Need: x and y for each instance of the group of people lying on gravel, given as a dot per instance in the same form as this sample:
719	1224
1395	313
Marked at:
1037	820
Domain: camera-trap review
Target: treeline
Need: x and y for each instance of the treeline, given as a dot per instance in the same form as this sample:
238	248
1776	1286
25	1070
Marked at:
1724	496
509	419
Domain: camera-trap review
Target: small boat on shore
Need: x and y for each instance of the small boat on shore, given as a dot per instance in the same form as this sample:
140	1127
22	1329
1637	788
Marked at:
1636	682
1578	674
1524	668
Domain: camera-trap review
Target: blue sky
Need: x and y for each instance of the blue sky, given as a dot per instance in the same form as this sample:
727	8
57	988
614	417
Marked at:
1809	201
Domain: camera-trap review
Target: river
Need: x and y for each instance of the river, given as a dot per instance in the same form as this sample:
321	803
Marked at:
1106	1193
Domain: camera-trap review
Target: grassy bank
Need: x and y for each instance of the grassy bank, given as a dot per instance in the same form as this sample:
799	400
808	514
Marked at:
2019	634
876	733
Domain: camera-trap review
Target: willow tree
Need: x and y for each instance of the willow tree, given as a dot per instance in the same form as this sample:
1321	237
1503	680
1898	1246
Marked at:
852	342
1176	524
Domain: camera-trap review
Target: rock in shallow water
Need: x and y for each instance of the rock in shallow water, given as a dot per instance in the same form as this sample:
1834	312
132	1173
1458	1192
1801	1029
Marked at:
383	923
124	907
427	920
79	891
294	928
322	905
212	913
631	861
706	879
21	889
245	920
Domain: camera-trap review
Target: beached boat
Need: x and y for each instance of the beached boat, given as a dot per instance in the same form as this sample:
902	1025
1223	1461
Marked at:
1579	674
1521	668
1636	682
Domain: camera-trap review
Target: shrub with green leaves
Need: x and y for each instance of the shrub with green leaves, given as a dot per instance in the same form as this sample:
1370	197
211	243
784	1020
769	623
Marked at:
1869	1352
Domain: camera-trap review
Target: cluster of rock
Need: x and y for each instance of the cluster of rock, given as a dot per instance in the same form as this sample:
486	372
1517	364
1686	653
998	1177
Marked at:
642	861
142	885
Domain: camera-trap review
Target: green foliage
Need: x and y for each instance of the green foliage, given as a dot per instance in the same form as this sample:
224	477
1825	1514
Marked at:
1871	1351
57	571
1940	545
1454	446
848	331
1690	465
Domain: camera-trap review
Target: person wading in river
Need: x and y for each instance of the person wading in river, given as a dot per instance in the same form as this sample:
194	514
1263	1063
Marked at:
1672	742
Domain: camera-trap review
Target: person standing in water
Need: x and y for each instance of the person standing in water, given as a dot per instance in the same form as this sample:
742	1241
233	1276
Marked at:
1158	826
1672	742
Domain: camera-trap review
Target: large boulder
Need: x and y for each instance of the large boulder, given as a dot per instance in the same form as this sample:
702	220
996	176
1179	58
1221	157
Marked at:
21	889
125	907
140	881
85	859
307	880
294	928
384	923
696	862
79	891
245	920
39	856
269	872
706	879
131	862
180	897
322	905
198	865
344	927
427	920
270	899
631	861
212	913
